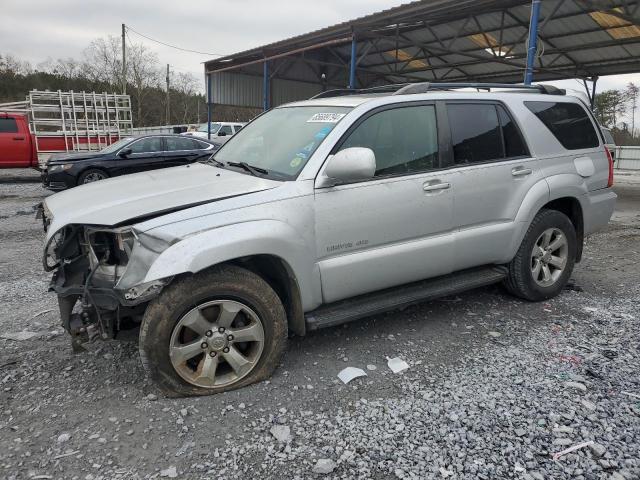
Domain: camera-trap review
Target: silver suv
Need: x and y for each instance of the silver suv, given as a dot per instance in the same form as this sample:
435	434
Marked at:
324	211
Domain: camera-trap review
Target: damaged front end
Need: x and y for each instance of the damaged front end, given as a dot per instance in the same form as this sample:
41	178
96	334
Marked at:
99	278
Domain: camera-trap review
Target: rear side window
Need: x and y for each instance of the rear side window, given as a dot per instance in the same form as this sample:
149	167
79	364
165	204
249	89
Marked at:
475	132
404	140
568	122
175	144
8	125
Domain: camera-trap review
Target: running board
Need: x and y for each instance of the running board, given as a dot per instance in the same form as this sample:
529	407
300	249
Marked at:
393	298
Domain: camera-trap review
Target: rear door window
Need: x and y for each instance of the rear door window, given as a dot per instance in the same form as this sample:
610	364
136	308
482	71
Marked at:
147	145
226	129
568	122
513	143
475	132
8	125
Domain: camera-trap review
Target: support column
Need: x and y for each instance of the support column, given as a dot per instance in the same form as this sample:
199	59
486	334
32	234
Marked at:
209	106
594	82
533	41
266	89
354	59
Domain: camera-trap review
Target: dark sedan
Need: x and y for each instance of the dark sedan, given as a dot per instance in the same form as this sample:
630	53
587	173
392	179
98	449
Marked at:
127	155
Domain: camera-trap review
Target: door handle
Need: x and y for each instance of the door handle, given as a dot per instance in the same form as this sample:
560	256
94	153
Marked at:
521	172
18	138
432	187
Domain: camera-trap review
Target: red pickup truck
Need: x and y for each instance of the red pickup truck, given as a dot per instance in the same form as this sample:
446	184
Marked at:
17	143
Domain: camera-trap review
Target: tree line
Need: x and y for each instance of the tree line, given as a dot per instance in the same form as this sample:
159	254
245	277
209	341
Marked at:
100	69
616	110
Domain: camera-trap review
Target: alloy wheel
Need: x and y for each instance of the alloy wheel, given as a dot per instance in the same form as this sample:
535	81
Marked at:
549	257
93	177
217	343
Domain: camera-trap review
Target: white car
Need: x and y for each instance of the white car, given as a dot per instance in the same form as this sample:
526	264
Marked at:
220	131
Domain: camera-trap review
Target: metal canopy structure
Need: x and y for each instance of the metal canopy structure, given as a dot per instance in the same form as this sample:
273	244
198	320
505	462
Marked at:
440	41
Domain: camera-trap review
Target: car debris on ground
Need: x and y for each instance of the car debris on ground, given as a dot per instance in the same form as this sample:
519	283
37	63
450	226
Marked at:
397	365
349	373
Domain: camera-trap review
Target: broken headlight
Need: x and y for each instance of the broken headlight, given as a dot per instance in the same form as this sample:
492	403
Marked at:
110	247
52	250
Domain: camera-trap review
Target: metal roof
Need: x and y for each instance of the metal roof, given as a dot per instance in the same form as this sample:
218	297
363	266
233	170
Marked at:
455	40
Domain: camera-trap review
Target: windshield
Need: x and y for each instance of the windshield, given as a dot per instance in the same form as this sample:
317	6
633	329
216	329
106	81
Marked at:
214	128
114	147
282	140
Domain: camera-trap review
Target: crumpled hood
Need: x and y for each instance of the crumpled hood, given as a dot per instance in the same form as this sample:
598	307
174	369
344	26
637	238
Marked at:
121	199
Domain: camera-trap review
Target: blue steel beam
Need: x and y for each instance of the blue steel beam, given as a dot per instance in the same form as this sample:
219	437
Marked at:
354	60
533	41
209	106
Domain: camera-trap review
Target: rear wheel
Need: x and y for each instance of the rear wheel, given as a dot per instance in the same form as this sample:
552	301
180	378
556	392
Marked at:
545	259
212	332
92	175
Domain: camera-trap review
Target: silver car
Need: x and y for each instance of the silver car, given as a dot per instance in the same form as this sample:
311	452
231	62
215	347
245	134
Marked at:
324	211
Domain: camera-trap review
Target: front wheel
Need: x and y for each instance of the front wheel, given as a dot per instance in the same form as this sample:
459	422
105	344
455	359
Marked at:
545	259
212	332
92	175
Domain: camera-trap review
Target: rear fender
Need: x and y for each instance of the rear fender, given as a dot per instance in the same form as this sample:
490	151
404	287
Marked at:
534	200
543	192
265	237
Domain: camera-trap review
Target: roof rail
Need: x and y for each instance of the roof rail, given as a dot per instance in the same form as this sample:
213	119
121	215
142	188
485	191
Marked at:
424	87
341	92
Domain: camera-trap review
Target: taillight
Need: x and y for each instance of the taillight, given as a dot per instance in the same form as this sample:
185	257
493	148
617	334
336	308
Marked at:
610	158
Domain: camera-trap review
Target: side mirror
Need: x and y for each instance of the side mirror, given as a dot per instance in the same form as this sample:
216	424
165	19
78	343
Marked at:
349	165
222	134
124	153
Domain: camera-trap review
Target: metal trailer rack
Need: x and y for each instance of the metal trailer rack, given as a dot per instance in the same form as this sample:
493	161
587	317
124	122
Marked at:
74	121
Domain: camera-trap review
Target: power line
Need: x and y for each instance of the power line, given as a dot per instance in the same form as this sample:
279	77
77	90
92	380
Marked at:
174	46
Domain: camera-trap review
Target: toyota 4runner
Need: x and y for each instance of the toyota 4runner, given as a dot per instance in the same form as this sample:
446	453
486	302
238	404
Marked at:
324	211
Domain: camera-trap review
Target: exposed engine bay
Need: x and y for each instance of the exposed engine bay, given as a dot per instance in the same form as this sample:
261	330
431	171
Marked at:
97	274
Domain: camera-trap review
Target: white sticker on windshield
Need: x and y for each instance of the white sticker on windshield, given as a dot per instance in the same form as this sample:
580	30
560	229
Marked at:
326	118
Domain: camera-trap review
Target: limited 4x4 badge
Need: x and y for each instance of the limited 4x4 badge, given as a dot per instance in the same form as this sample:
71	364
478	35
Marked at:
346	245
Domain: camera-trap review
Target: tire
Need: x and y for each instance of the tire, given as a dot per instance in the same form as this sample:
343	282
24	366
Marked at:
167	329
92	175
522	279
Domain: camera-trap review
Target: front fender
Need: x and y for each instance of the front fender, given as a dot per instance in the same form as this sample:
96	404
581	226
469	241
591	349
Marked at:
264	237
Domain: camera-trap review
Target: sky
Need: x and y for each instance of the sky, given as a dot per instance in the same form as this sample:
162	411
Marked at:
35	30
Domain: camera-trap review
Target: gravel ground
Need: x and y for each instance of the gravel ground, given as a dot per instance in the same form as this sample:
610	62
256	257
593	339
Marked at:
495	386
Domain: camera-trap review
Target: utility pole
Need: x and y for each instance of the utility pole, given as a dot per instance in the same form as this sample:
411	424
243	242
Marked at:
168	109
124	61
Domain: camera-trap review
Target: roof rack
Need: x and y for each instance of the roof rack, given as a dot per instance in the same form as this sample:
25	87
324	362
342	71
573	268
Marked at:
424	87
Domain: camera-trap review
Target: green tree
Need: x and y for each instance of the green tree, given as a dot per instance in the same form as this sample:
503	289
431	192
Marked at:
609	107
632	92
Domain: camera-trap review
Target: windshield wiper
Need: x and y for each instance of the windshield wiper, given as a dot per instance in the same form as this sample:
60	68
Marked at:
249	168
218	163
